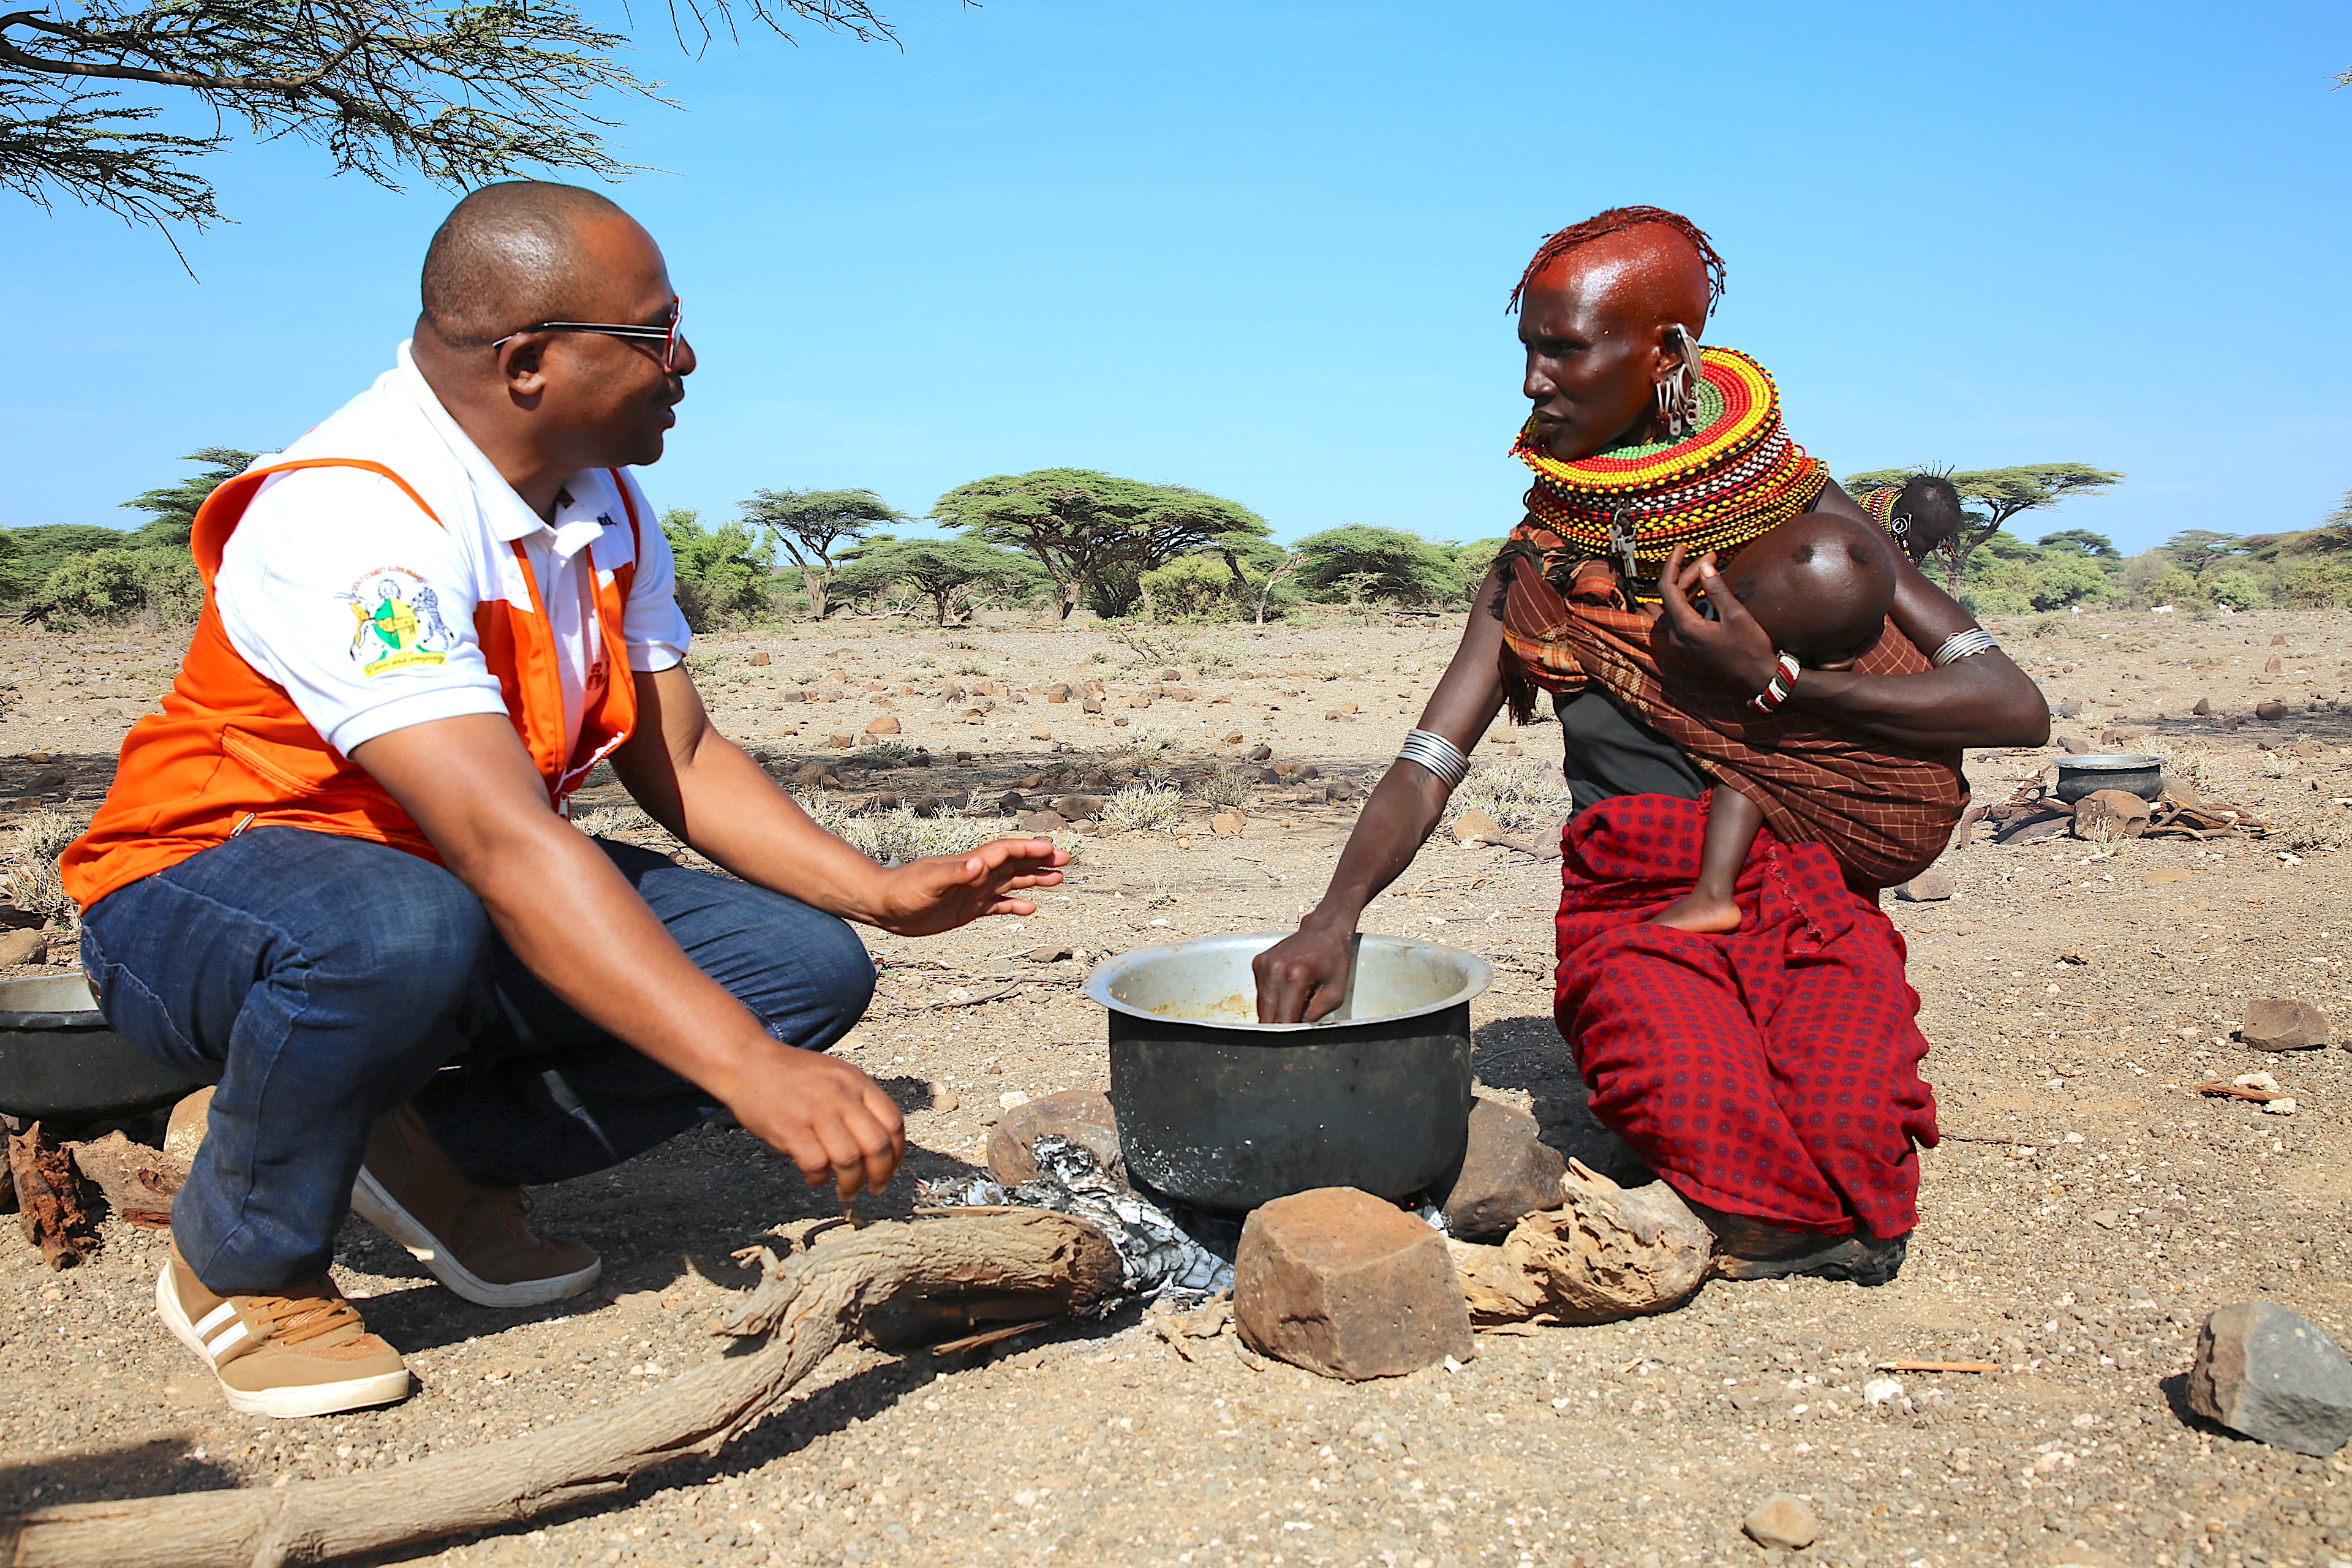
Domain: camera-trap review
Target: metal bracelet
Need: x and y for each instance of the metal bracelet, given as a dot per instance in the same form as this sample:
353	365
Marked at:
1438	754
1964	645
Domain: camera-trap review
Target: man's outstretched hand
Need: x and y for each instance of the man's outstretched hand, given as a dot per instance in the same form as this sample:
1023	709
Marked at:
940	892
830	1119
1732	646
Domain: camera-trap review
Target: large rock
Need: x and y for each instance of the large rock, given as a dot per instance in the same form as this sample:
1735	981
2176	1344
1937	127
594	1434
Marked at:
2107	815
2273	1376
1081	1115
1508	1172
2283	1024
1927	888
1784	1522
1344	1284
23	947
190	1119
886	725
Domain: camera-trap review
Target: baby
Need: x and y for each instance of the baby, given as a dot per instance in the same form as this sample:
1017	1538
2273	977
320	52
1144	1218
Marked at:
1823	592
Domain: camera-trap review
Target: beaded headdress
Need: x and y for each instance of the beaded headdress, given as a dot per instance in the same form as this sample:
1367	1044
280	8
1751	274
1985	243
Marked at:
1737	475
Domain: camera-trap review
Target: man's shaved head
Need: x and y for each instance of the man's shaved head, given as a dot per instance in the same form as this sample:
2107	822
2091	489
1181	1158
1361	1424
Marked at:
510	254
1820	584
1654	265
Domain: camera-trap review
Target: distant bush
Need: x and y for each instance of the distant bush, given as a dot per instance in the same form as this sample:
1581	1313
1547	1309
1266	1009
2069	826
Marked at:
726	578
1353	563
2239	590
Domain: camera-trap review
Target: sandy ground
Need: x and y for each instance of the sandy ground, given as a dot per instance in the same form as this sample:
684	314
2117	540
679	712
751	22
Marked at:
2085	1211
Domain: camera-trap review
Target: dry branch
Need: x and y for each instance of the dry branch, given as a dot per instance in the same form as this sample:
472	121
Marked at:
807	1304
1611	1252
48	1199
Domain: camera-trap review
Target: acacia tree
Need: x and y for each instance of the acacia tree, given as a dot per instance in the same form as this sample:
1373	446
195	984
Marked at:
2334	534
174	505
954	574
2002	494
1377	563
812	525
2197	551
1085	526
460	94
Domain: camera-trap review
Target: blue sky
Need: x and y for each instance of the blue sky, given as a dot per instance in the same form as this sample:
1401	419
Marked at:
1263	249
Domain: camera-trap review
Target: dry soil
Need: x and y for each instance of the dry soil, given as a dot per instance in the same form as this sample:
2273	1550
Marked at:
2085	1210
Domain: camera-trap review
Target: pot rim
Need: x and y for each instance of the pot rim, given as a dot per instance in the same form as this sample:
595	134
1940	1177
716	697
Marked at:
2109	763
1479	975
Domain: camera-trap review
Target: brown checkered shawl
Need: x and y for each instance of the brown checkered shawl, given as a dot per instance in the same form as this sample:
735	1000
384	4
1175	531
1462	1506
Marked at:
1886	811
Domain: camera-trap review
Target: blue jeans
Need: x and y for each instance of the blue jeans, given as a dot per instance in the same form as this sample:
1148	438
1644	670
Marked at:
320	981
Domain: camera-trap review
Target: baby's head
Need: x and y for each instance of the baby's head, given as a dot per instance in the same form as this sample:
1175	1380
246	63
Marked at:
1820	585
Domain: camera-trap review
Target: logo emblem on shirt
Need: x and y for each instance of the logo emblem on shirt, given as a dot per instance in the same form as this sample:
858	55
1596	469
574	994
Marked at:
397	623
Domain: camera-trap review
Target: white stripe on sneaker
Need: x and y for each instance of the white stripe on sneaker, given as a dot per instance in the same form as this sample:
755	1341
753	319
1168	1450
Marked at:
215	1318
229	1339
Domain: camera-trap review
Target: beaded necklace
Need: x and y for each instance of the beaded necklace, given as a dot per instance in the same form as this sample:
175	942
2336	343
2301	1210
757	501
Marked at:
1879	505
1735	476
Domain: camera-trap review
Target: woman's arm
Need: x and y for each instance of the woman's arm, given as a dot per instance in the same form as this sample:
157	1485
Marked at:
1303	977
1985	700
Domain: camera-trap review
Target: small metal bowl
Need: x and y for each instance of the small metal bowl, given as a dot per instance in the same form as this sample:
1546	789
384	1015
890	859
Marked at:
2139	775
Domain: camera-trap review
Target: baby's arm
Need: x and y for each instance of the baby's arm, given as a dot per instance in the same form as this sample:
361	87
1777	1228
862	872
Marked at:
1732	820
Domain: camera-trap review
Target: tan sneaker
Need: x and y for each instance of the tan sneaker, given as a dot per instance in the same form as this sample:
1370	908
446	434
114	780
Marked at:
304	1353
472	1237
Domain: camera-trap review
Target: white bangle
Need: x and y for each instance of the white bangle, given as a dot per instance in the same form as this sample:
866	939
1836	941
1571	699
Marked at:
1438	754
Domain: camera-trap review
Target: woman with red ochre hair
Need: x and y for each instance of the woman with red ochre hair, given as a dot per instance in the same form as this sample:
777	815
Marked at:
1771	1074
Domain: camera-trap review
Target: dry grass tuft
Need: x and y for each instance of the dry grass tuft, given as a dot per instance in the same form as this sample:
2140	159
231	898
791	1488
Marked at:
28	877
1517	792
896	835
1143	806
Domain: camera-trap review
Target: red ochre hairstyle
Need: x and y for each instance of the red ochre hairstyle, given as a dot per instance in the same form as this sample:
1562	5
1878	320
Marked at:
1616	220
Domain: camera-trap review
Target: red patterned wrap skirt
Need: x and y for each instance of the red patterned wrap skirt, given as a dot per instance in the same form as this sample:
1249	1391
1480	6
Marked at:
1773	1072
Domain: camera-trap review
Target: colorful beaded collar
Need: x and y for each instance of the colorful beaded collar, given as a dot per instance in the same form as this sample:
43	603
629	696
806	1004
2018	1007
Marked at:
1879	505
1735	476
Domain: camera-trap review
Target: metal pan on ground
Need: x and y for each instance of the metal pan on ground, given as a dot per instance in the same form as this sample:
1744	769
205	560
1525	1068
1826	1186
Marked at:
1219	1110
59	1061
2133	774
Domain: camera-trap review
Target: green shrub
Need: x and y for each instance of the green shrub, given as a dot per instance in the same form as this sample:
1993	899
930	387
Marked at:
2238	589
1201	588
727	578
2316	585
2172	586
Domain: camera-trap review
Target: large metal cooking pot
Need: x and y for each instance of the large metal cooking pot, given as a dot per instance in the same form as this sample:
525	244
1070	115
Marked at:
1218	1109
57	1058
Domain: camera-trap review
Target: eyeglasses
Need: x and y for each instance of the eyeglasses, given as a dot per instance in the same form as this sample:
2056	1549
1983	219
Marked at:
666	335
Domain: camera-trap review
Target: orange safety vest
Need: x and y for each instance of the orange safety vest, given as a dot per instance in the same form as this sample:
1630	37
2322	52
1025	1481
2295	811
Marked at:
230	750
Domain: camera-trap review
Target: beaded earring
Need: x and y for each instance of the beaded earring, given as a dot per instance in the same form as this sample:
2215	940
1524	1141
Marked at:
1678	393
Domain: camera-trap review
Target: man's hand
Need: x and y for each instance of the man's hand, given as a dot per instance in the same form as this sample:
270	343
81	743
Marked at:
1732	646
1304	975
940	892
577	924
830	1119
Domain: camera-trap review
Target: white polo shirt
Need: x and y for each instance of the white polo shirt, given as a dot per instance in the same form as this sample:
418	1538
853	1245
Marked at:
335	587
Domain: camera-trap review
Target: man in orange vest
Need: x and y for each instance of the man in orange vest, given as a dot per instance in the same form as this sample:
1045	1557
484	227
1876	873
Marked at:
334	876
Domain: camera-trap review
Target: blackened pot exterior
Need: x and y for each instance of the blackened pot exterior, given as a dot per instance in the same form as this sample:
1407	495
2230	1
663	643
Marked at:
1232	1118
59	1061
